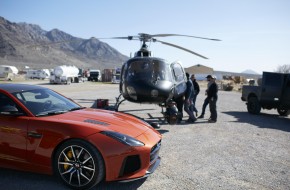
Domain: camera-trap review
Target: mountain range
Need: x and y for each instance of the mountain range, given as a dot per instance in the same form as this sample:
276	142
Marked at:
249	71
23	44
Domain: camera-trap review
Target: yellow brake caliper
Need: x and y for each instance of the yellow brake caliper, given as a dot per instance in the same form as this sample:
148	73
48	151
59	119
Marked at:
69	155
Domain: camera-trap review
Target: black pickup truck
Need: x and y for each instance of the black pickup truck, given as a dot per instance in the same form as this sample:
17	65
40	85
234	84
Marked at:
273	93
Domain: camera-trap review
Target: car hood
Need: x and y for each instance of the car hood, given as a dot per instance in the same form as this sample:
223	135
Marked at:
96	120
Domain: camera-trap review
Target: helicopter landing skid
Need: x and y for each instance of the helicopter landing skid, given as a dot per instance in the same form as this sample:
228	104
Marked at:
118	102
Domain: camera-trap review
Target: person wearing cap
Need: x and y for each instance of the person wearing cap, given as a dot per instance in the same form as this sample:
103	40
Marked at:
212	99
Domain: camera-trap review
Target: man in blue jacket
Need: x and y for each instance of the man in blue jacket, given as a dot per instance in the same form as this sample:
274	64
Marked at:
188	99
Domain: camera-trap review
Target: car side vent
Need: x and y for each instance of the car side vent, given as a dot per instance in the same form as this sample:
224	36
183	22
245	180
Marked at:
96	122
130	164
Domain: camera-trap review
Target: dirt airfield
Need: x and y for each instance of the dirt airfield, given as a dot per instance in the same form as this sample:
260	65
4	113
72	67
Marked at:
240	151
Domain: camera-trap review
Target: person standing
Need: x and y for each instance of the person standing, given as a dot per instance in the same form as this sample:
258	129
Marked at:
196	90
206	101
179	104
212	95
188	99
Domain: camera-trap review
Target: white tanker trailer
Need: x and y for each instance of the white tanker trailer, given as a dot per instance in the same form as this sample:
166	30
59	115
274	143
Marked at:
65	75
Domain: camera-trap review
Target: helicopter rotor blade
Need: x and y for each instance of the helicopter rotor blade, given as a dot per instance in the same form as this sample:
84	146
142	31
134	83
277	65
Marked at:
124	38
166	35
179	47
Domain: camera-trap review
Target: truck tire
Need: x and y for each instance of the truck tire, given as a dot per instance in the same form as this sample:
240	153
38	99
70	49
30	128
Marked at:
283	112
68	81
253	105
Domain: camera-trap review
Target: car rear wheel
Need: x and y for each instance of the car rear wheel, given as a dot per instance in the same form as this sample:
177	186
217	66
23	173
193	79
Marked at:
79	164
253	105
283	112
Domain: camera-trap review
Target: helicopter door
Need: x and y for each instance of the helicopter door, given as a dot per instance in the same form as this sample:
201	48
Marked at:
180	79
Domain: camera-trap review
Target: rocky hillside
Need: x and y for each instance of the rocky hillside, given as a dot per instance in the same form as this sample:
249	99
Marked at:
23	44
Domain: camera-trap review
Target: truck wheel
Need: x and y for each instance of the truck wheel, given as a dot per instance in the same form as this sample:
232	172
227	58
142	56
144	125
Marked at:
283	112
253	105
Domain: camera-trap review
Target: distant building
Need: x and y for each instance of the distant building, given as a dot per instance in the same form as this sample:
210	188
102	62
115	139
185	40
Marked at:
200	71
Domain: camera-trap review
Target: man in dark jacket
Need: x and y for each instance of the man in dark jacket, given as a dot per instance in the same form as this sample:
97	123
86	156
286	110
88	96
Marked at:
206	100
196	90
212	97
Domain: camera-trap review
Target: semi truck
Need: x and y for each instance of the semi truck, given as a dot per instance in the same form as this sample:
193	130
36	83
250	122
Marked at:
273	93
65	74
95	75
116	76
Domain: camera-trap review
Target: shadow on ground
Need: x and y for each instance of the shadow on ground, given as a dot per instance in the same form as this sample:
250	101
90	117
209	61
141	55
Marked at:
262	120
28	181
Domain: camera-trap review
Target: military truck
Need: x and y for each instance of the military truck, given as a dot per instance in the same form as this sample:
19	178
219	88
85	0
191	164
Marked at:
273	93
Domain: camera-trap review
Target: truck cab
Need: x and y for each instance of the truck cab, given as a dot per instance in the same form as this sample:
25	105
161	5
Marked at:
95	75
273	93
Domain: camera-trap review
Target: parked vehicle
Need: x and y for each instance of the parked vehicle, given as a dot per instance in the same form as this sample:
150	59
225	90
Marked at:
273	93
65	75
8	72
95	75
116	76
45	132
38	74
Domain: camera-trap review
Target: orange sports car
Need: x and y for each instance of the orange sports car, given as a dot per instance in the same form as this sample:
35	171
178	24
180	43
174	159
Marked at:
43	131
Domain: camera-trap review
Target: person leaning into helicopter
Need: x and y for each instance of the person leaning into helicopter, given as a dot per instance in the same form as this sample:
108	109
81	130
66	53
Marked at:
188	100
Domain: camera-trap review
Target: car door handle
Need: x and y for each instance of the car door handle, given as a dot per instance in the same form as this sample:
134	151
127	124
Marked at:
34	134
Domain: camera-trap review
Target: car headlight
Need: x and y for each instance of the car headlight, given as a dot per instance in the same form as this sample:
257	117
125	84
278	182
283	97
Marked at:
125	139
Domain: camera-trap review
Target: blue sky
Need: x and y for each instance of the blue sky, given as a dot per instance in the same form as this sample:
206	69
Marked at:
255	34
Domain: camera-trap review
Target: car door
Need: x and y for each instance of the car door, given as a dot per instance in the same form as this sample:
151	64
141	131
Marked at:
272	85
13	131
286	92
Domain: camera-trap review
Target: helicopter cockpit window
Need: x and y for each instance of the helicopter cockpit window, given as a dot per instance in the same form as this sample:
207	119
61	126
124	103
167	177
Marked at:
149	70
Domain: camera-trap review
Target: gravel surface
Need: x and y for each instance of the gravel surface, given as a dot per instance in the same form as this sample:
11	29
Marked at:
240	151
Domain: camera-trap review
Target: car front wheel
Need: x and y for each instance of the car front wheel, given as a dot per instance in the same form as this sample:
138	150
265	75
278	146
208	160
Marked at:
79	164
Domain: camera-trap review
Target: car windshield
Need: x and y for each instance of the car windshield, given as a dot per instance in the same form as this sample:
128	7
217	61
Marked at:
43	102
151	70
